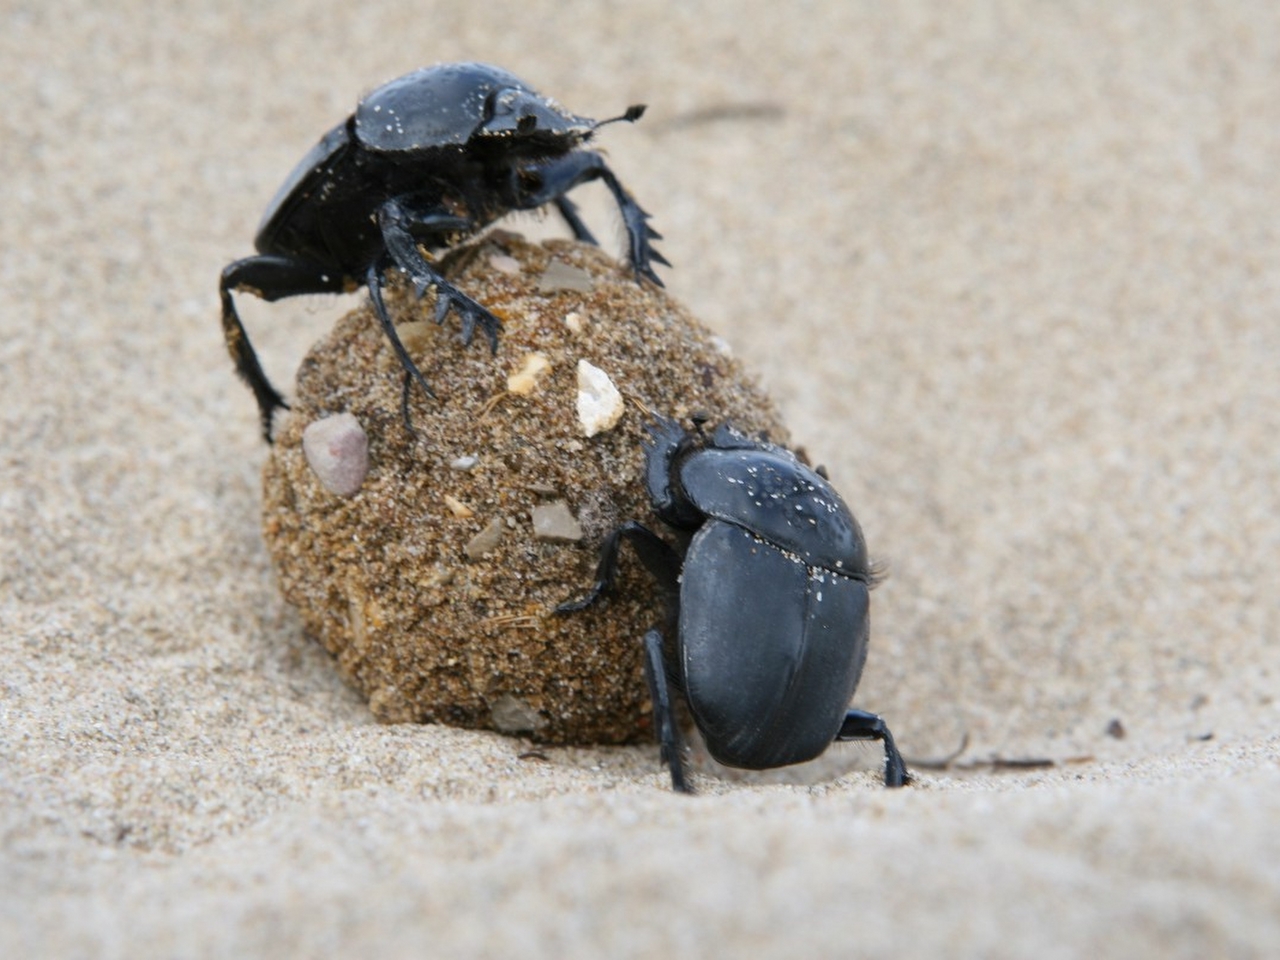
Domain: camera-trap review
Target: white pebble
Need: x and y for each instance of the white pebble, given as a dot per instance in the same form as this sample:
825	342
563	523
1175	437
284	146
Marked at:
337	449
600	404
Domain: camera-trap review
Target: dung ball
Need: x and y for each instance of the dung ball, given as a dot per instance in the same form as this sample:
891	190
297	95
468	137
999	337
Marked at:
433	577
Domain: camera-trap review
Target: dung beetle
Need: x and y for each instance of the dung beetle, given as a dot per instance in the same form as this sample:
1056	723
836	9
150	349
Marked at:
766	601
426	161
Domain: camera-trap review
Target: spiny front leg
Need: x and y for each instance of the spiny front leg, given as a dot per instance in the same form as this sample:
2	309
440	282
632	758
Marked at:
555	178
640	251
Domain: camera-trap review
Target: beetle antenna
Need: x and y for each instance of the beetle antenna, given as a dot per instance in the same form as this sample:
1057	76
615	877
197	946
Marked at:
632	114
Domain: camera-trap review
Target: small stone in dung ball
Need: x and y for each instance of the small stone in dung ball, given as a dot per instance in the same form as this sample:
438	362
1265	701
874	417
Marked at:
555	521
337	449
523	381
564	276
504	264
486	541
458	508
600	404
512	715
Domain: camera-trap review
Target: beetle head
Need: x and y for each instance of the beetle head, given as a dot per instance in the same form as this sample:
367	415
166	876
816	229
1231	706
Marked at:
516	112
669	443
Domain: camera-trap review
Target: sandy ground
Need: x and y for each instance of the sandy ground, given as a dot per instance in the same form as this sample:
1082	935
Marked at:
1012	271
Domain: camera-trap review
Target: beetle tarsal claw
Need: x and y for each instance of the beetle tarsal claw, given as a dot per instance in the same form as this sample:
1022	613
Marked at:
468	328
443	302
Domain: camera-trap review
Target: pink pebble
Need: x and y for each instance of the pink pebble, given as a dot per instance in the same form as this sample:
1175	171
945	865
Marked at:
337	450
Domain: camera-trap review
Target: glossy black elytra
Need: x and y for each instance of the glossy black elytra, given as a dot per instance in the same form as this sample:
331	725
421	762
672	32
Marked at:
427	160
767	603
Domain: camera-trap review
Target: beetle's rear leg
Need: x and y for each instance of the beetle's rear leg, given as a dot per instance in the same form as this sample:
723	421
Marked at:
270	277
665	727
402	228
861	725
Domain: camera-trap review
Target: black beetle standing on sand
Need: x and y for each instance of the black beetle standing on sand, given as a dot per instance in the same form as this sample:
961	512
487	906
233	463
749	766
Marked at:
766	606
428	159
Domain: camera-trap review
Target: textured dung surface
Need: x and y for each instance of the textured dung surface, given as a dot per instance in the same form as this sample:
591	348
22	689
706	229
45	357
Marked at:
384	579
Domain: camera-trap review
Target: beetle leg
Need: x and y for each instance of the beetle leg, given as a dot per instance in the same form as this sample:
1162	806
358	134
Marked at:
401	230
557	177
374	282
569	211
663	562
271	278
861	725
639	232
665	727
405	389
658	557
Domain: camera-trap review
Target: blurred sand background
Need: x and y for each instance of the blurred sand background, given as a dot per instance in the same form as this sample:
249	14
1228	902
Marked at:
1012	271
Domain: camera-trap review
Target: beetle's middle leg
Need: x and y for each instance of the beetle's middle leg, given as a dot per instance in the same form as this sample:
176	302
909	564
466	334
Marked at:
374	282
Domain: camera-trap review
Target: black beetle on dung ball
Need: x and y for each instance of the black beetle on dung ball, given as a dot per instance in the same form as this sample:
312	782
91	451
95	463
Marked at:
429	159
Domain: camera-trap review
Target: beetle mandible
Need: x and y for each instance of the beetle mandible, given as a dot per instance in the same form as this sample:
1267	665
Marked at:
766	624
427	160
